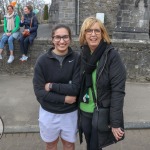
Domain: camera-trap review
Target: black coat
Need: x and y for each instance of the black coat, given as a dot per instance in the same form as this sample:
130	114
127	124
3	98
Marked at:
111	77
34	25
110	85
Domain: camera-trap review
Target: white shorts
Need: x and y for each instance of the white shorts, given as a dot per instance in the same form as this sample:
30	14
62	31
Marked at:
54	125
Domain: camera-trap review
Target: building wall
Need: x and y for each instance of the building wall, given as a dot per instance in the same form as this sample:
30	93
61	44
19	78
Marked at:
132	22
67	12
108	7
63	11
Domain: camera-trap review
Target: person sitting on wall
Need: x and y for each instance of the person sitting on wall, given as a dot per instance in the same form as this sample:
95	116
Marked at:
137	2
11	29
30	23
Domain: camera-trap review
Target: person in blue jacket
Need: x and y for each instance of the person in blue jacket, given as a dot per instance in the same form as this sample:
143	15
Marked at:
30	23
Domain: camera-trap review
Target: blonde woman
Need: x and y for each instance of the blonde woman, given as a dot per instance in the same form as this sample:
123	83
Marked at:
103	75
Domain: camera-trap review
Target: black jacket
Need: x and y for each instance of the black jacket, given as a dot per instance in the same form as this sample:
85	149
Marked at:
34	25
110	84
111	77
65	79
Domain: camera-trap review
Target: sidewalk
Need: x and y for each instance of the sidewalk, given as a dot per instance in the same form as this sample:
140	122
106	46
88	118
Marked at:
134	140
19	107
19	110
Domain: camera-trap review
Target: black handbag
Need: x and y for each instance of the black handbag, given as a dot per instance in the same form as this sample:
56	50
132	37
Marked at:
100	121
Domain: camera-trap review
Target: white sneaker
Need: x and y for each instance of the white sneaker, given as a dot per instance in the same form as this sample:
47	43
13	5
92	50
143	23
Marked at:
21	58
1	57
24	58
11	58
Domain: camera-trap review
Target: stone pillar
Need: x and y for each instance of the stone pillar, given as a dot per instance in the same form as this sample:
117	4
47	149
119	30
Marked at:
63	11
54	13
132	21
67	13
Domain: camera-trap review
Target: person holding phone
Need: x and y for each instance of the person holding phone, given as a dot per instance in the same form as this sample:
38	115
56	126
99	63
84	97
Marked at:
30	23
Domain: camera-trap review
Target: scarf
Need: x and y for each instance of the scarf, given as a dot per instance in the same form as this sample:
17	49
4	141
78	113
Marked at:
89	62
10	22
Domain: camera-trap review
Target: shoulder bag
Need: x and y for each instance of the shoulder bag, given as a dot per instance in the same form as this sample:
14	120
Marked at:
101	122
26	33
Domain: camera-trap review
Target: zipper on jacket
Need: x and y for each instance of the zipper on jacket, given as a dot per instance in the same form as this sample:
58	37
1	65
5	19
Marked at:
102	69
103	66
61	64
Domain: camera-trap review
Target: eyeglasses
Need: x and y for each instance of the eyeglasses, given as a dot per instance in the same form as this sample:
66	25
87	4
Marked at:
90	31
57	38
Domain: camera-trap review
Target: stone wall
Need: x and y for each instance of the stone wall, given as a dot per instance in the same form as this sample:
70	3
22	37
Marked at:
108	7
132	22
121	16
23	68
67	12
135	55
63	12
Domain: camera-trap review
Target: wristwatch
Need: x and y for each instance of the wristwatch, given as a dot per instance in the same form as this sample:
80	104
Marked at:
50	86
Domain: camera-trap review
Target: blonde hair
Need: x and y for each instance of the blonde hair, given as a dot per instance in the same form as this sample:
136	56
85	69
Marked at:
88	22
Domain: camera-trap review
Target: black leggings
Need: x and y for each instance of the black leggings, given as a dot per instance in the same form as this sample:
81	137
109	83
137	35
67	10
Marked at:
91	135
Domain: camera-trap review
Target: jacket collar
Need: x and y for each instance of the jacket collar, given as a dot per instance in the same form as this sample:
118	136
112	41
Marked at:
50	55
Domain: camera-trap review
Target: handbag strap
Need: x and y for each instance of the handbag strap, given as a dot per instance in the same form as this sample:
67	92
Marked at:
31	22
94	97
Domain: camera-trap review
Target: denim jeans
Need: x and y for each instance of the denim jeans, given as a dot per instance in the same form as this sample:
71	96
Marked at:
8	39
24	44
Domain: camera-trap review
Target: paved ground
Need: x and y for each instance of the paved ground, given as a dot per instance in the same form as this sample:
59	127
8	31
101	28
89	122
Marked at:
19	110
135	140
44	31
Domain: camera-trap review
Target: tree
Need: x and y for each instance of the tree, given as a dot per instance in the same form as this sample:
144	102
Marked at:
37	4
45	17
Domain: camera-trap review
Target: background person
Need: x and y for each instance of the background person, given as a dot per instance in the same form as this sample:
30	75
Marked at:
56	86
29	19
103	70
11	29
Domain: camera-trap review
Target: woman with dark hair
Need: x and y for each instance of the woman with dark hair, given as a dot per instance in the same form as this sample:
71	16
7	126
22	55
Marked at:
30	23
56	86
11	29
102	85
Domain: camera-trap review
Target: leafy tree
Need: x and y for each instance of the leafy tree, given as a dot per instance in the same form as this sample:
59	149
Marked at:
45	17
